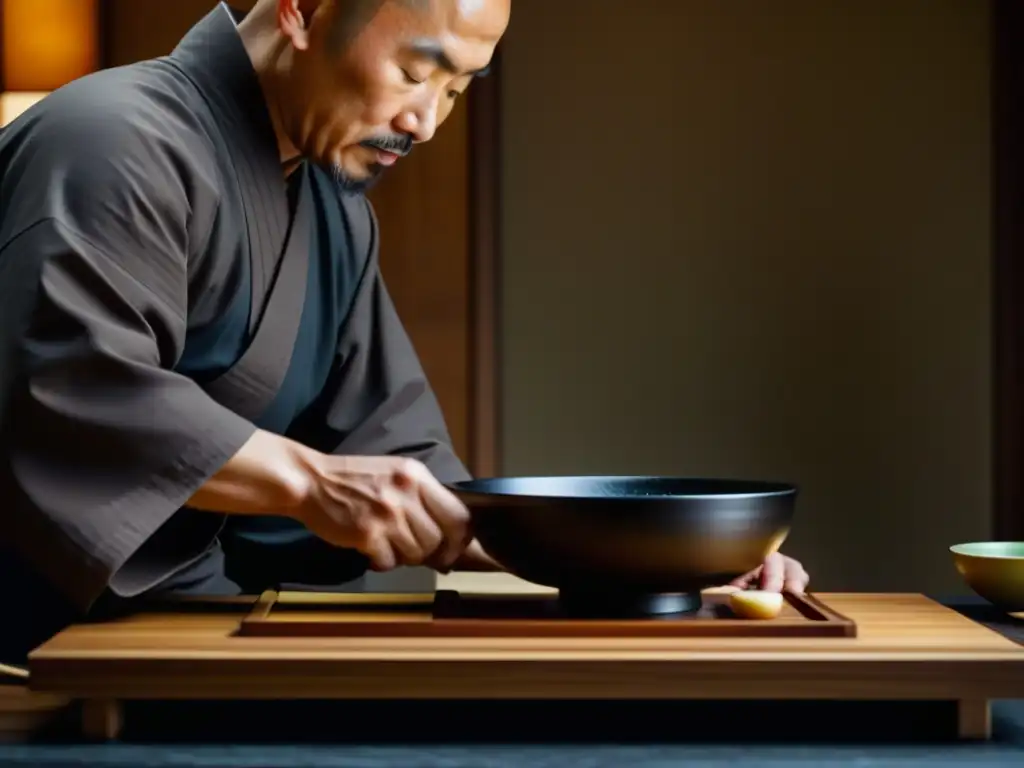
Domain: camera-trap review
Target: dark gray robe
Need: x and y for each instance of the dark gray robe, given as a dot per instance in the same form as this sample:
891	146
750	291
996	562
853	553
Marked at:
163	292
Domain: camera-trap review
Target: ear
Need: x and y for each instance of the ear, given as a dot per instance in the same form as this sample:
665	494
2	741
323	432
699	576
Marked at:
291	20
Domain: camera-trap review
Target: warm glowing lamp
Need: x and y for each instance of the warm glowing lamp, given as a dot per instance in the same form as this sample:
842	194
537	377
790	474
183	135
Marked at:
45	44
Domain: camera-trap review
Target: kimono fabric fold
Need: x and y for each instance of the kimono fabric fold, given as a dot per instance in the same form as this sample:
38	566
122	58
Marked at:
165	291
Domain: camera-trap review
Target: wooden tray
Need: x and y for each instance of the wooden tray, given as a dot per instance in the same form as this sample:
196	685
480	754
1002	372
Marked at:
450	614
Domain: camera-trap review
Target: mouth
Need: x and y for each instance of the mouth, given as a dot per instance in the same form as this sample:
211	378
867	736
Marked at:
387	153
386	158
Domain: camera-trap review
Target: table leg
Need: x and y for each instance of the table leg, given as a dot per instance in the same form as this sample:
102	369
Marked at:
102	719
974	719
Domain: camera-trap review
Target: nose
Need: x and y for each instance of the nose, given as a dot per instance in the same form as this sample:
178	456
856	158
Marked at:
418	120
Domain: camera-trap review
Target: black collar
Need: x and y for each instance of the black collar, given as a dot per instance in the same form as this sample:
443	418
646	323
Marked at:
213	57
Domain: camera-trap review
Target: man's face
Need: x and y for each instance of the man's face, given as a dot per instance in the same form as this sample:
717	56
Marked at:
376	77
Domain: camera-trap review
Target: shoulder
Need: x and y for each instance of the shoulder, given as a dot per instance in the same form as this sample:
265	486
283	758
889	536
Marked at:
125	136
135	120
144	104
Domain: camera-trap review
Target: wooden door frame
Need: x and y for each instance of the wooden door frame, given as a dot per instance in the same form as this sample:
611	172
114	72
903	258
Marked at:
484	105
1008	268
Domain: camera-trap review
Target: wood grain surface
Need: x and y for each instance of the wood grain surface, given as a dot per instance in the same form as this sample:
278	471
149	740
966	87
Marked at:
451	614
908	647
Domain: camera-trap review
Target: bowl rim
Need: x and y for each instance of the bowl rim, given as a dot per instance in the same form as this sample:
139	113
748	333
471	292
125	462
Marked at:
758	488
958	549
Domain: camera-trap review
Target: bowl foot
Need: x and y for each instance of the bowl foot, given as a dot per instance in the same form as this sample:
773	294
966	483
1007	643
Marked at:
611	605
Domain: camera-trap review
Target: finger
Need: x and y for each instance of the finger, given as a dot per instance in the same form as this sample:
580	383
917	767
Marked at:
773	573
427	532
381	555
473	558
396	505
404	543
451	517
797	578
450	554
746	579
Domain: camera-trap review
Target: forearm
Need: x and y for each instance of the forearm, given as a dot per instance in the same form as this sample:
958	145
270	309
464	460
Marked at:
272	475
269	475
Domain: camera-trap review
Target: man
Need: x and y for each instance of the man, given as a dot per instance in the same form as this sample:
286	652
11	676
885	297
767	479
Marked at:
206	387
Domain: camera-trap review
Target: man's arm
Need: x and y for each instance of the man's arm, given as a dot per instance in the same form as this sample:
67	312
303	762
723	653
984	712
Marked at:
378	400
101	441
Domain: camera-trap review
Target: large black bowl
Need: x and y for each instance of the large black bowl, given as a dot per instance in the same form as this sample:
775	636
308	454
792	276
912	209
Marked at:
628	545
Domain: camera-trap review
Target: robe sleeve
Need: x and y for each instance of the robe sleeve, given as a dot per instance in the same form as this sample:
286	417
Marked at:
102	441
378	399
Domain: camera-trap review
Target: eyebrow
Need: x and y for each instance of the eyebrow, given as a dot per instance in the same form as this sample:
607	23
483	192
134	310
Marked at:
435	51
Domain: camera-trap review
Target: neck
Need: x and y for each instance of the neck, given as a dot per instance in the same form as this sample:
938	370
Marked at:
264	45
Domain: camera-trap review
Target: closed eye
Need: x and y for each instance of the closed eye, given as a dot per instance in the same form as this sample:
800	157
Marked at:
410	79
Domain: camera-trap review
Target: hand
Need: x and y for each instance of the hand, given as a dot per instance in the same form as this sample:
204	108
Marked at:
389	508
777	573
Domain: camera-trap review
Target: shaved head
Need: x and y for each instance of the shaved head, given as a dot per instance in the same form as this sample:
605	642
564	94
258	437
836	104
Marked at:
355	15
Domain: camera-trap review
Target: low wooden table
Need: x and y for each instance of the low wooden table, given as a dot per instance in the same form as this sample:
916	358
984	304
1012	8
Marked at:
908	648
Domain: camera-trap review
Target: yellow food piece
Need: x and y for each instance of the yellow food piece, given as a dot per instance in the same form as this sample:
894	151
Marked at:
727	589
756	604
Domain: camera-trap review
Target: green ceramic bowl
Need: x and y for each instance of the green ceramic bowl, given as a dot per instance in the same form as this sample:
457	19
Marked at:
994	570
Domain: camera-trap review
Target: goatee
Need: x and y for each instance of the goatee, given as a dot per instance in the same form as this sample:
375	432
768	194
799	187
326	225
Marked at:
352	186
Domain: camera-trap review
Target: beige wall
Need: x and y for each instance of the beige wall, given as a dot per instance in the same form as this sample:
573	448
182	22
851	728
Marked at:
752	239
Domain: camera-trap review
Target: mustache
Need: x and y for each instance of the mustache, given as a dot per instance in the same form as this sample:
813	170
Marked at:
400	145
